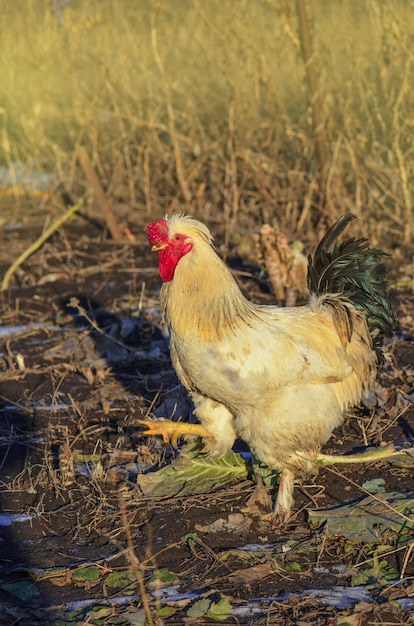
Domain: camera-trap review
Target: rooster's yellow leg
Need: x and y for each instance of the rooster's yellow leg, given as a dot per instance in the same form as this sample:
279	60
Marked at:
171	431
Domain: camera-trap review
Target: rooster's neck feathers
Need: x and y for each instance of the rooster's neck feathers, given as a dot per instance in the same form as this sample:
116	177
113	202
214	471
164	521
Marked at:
203	296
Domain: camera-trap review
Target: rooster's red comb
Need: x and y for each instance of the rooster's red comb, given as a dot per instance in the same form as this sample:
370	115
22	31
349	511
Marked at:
157	232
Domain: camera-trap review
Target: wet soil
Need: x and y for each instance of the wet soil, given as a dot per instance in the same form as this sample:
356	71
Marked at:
82	358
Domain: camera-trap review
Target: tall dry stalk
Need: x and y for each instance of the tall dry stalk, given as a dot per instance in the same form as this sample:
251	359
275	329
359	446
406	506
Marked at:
321	145
231	191
100	195
400	133
171	119
147	86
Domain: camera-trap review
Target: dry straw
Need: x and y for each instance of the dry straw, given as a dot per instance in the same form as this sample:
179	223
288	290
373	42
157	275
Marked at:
212	106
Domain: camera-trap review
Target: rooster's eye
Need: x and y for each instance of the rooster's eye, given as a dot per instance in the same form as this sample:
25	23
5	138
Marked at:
177	237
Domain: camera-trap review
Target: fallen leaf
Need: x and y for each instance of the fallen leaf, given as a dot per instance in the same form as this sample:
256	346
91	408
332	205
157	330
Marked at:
90	573
120	579
375	485
161	578
24	590
199	608
366	519
249	575
193	472
217	611
350	620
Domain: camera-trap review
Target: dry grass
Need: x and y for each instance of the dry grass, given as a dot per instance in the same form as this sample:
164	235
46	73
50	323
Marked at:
205	105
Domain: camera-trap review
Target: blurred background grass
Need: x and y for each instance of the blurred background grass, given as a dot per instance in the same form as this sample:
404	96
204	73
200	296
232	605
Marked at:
205	106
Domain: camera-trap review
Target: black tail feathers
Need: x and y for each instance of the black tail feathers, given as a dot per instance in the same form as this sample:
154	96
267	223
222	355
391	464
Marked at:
354	269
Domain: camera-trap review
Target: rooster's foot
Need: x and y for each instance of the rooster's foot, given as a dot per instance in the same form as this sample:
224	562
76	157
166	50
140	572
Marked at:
172	431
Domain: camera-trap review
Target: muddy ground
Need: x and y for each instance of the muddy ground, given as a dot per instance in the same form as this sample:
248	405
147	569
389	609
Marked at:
82	359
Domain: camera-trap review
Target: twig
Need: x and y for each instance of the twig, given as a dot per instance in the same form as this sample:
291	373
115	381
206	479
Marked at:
404	175
171	119
147	181
410	548
309	59
10	441
100	195
38	243
231	204
134	561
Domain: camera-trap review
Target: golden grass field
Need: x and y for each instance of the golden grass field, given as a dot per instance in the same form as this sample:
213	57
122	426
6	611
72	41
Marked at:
206	106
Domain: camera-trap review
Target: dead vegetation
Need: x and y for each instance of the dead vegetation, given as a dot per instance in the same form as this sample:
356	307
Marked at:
207	108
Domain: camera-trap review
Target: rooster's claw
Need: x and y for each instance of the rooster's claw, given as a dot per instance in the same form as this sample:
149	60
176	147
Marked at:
172	431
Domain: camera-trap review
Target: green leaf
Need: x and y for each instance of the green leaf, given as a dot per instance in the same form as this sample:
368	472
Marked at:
379	574
367	519
121	579
90	572
73	616
217	611
24	590
270	477
291	567
98	613
165	611
376	485
199	608
221	610
163	575
194	472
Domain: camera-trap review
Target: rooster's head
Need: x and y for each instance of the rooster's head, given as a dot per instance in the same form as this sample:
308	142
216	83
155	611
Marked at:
173	239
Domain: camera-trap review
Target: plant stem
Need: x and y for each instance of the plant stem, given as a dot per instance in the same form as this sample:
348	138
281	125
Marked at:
38	243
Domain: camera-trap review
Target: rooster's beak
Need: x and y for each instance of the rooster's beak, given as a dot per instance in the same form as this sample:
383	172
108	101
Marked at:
161	246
